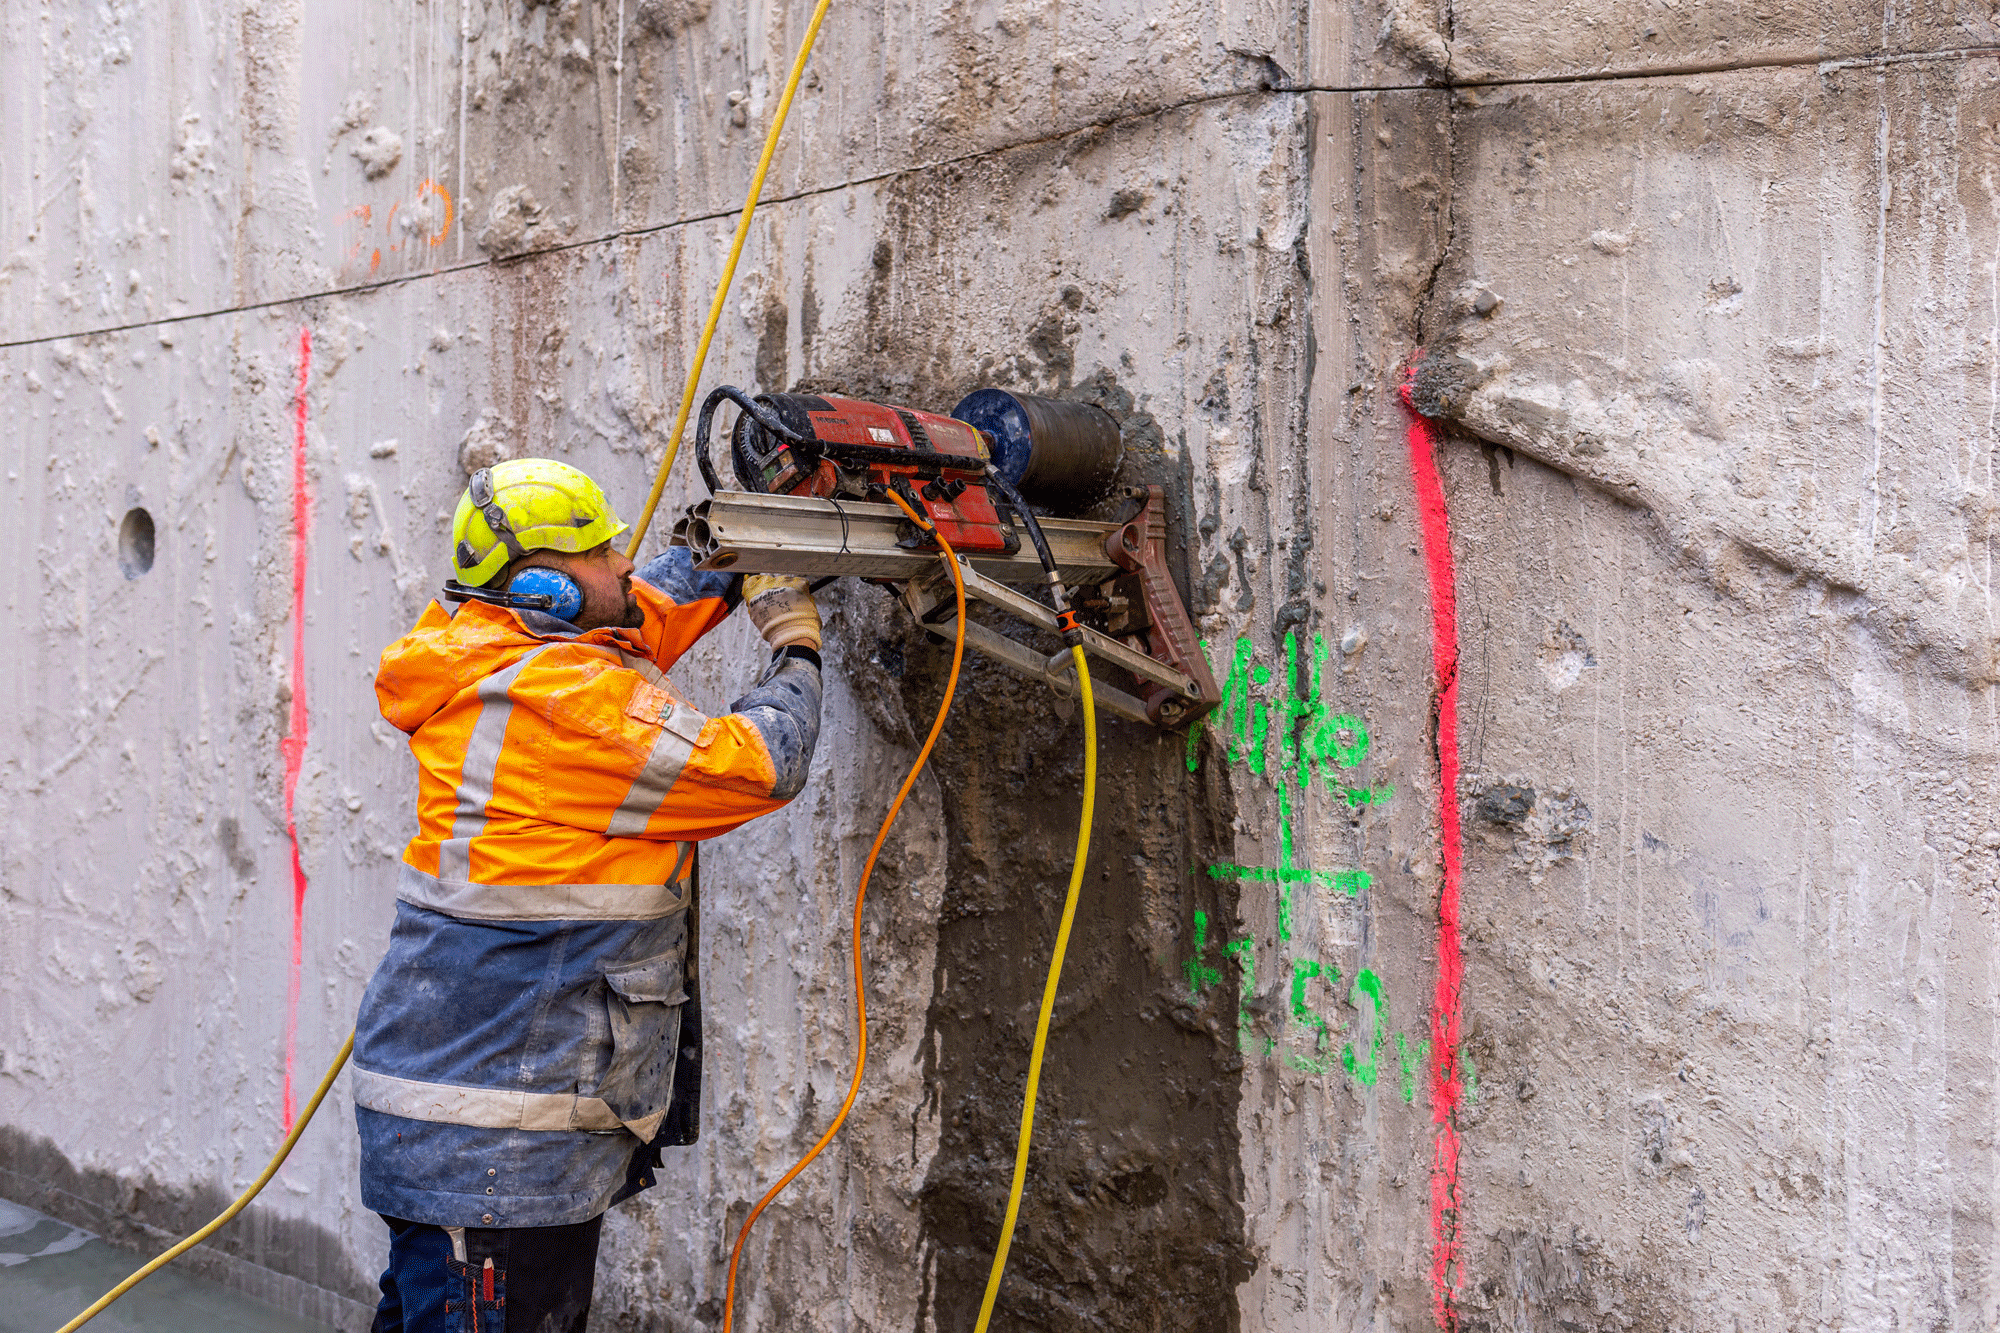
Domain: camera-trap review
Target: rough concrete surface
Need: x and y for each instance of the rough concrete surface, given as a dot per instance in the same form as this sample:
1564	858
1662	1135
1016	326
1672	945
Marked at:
1707	298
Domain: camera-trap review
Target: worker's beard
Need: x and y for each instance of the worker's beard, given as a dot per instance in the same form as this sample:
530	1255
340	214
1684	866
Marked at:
633	616
597	615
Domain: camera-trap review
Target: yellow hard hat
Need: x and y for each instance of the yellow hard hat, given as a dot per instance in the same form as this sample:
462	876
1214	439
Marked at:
523	505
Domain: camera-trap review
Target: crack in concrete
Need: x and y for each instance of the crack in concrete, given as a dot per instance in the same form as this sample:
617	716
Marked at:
1447	228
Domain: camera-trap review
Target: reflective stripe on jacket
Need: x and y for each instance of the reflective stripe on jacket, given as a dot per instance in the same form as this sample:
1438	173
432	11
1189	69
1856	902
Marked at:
514	1053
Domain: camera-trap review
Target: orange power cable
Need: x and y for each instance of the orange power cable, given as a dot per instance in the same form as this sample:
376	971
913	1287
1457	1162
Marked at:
860	895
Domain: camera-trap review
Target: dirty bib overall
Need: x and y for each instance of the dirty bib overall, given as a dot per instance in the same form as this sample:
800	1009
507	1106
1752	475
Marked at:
515	1053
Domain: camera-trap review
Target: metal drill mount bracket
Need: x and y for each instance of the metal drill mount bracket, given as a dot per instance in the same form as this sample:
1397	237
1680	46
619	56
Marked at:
815	538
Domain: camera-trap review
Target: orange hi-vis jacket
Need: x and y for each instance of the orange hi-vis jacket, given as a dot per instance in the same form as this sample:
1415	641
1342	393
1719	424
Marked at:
566	752
515	1054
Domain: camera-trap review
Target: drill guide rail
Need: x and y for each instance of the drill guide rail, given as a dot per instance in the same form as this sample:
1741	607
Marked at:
1058	671
816	538
933	612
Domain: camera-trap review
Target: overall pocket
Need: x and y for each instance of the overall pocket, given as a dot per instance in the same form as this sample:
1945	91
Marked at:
644	1000
477	1297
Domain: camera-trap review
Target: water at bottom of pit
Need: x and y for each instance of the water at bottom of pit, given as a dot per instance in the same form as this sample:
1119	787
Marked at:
50	1271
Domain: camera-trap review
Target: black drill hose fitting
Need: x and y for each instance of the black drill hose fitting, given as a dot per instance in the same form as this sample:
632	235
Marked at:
1020	507
757	412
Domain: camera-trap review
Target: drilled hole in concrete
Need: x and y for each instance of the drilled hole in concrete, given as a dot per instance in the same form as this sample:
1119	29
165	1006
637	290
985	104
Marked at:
135	543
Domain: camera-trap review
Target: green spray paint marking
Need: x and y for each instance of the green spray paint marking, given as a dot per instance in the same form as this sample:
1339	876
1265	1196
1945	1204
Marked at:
1343	739
1286	730
1244	721
1411	1059
1260	722
1244	951
1200	976
1285	874
1284	861
1317	740
1311	739
1367	995
1303	971
1349	882
1367	983
1231	718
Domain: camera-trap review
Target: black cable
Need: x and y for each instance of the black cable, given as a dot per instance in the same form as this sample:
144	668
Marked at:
843	522
1065	618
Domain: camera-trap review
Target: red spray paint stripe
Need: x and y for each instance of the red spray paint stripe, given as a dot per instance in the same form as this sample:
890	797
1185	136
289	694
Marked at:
1446	1088
292	749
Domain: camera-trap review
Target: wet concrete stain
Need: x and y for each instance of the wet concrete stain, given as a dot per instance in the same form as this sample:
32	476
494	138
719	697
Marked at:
49	1271
1132	1216
142	1214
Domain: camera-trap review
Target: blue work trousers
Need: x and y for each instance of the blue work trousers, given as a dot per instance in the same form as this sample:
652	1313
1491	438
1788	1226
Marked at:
488	1280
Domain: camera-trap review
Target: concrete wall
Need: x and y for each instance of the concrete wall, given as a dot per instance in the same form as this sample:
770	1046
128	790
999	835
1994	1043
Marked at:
1707	299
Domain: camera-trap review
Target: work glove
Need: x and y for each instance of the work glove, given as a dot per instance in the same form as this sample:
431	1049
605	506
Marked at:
782	608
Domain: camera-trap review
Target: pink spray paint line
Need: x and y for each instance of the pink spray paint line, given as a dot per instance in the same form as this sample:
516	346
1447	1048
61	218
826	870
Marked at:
1446	1086
292	749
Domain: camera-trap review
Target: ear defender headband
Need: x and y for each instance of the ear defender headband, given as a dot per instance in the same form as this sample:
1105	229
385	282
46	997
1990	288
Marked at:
534	589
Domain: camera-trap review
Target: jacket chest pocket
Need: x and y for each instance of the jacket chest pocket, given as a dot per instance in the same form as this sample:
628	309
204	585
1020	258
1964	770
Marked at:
644	1001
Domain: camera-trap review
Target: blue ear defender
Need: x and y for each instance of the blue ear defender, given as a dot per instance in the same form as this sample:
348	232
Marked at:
566	599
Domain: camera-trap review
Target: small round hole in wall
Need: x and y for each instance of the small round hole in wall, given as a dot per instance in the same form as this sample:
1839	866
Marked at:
135	543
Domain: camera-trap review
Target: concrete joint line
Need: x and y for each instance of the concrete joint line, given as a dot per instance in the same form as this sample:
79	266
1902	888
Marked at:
1825	65
660	228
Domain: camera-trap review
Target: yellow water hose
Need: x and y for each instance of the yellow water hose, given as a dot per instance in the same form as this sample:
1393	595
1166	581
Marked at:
728	276
1048	993
242	1200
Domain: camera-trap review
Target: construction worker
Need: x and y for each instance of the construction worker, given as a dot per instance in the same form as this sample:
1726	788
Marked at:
515	1054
